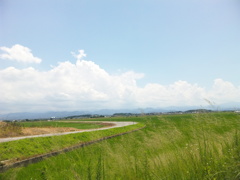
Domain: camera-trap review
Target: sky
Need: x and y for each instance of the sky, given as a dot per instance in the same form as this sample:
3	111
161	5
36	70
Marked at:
67	55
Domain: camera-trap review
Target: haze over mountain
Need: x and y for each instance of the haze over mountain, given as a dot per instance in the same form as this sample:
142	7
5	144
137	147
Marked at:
109	112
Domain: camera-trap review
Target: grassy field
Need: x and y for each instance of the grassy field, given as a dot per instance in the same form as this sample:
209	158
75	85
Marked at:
190	146
13	129
31	147
61	124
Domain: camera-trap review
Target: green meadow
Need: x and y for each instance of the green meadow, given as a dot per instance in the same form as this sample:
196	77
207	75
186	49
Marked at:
27	148
60	124
187	146
12	129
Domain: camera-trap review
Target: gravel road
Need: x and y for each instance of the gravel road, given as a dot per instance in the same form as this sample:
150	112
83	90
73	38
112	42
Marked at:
116	124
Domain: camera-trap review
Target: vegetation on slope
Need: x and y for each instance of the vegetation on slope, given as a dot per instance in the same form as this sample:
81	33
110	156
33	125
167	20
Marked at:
25	148
199	146
10	129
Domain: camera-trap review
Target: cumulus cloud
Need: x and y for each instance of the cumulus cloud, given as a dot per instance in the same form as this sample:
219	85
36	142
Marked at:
224	91
85	85
180	93
19	53
80	54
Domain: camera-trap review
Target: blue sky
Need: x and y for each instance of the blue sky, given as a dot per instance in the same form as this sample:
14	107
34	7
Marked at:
155	44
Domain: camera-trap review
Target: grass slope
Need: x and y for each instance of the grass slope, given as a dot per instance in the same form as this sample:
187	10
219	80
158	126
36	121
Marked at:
200	146
24	148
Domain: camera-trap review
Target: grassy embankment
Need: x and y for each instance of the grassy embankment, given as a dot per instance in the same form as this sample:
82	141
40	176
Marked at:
199	146
25	148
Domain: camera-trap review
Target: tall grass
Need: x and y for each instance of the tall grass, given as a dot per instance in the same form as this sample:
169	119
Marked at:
10	129
201	146
30	147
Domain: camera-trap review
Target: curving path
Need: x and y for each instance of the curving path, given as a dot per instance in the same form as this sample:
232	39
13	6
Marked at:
116	124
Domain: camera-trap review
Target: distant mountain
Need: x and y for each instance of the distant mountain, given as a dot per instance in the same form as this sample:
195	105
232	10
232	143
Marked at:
61	114
39	115
230	106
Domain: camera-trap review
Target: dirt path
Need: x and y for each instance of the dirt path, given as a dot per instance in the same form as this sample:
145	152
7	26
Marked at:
115	124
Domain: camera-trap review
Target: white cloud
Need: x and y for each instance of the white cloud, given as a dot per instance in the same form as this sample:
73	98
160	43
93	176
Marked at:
84	85
180	93
224	91
80	55
19	53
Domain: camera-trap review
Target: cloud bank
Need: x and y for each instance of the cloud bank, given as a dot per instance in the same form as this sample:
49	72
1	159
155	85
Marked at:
84	85
19	53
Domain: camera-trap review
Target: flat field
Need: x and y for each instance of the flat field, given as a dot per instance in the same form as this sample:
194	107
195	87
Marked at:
14	129
80	125
188	146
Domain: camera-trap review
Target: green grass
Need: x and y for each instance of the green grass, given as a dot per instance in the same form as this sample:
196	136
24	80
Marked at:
13	129
25	148
80	125
193	146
